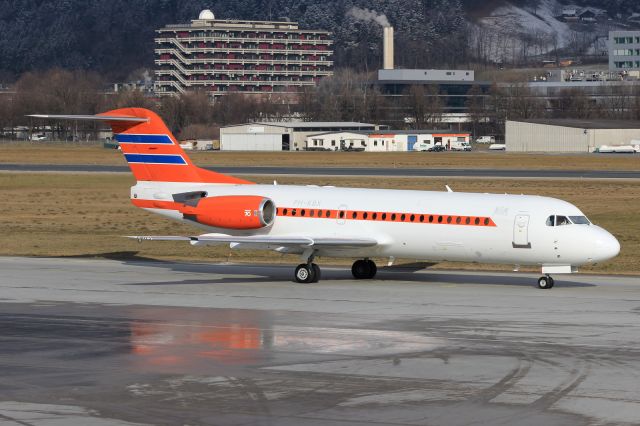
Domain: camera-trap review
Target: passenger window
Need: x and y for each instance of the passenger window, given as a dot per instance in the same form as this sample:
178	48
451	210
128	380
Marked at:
384	216
562	220
374	216
327	213
364	215
354	215
551	221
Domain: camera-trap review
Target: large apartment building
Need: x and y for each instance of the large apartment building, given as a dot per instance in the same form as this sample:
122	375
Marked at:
223	56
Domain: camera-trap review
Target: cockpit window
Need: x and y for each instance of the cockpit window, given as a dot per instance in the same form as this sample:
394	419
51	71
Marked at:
564	220
580	220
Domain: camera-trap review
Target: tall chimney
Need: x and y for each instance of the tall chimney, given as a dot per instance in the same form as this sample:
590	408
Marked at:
388	48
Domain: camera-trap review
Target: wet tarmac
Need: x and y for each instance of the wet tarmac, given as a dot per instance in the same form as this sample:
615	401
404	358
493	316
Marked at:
105	342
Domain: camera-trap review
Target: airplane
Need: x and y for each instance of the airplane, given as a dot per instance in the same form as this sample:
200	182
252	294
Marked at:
314	221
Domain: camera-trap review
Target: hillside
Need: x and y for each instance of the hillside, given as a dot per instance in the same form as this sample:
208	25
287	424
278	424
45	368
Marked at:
116	37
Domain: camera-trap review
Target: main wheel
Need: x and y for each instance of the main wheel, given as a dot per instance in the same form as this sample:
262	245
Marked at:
545	283
373	269
360	269
305	274
316	271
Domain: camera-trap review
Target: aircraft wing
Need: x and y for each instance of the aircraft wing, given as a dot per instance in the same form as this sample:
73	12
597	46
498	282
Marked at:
267	240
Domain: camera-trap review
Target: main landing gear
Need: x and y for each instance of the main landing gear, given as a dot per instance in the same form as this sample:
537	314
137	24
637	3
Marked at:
364	269
545	282
307	273
310	272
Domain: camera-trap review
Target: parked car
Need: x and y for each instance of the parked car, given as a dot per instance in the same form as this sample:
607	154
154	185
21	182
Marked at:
497	147
38	137
436	148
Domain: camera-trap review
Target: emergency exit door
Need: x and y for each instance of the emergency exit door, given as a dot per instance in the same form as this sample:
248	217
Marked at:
521	231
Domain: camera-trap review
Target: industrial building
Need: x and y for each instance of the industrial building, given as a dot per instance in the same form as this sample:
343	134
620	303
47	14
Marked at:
383	141
569	135
222	56
624	51
281	136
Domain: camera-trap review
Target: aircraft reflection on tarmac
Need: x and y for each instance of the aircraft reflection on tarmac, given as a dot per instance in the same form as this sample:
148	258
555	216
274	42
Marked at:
249	338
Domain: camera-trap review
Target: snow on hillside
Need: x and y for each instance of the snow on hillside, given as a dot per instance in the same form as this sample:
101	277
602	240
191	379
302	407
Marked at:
522	32
510	19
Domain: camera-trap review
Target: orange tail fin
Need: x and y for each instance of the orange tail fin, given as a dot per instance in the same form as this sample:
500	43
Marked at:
152	151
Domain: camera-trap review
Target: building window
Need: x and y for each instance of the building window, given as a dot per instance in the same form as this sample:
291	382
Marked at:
375	143
333	143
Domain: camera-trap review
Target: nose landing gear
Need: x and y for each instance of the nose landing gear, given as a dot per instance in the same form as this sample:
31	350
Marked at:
545	282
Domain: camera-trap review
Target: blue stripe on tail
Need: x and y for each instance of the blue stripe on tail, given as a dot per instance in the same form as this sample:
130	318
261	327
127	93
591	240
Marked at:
155	159
144	139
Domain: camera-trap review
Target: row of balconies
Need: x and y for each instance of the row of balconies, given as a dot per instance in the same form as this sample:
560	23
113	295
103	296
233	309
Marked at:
245	61
317	73
243	40
170	37
193	50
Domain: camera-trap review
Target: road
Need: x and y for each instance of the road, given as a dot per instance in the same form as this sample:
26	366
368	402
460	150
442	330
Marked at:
108	342
352	171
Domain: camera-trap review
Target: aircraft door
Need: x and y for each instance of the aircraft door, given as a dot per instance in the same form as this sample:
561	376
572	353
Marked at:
521	231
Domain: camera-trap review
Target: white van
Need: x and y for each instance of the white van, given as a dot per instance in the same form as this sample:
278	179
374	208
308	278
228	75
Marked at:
486	139
460	146
422	146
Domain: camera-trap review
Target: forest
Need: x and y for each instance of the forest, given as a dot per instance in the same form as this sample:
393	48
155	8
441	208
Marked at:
115	37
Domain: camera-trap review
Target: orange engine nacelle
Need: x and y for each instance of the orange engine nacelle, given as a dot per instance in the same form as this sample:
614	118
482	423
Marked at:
232	211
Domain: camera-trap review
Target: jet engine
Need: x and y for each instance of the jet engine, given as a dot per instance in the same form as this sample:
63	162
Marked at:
231	211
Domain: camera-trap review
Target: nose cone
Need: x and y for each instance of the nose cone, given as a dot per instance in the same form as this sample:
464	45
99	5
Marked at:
607	246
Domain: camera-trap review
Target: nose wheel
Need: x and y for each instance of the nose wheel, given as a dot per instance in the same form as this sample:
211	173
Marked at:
545	282
364	269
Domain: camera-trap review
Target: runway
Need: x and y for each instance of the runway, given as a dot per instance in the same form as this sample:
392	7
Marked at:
106	342
350	171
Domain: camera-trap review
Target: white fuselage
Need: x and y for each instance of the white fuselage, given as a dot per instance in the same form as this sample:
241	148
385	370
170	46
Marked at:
519	233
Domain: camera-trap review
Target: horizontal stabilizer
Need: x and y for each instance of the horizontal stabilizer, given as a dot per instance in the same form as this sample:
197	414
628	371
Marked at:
113	118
